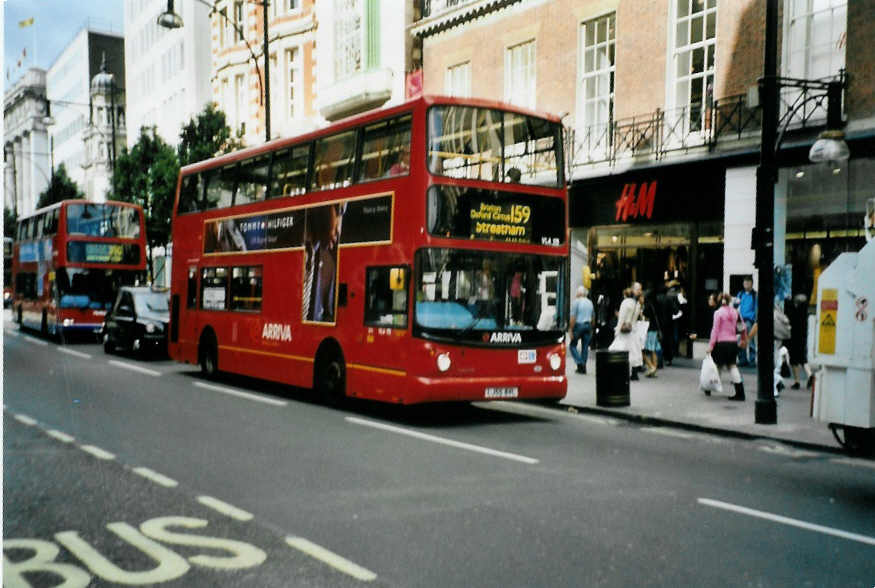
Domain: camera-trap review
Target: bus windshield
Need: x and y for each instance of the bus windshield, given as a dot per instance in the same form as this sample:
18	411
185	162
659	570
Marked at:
462	293
472	143
91	288
103	220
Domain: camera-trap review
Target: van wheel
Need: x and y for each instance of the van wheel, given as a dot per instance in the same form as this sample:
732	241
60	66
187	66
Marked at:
108	346
44	325
209	356
329	376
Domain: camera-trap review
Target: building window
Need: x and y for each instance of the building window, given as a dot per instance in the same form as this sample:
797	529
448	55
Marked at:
347	38
816	35
457	81
293	82
238	20
239	102
596	87
519	74
223	26
695	33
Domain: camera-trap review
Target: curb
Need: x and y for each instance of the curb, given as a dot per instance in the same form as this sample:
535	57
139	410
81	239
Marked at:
731	433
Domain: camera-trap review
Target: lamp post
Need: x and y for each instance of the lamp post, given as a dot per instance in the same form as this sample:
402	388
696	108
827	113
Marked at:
829	146
171	20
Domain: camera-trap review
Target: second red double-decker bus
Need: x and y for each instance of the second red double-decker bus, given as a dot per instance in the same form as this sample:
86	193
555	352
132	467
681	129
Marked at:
69	260
413	254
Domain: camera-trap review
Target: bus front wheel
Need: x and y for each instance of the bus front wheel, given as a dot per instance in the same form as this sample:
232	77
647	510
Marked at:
209	355
329	375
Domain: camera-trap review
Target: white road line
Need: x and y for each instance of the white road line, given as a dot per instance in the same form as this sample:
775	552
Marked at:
74	352
667	432
530	409
97	452
63	437
329	557
860	463
154	476
441	440
240	394
35	341
787	521
225	508
136	368
23	418
788	451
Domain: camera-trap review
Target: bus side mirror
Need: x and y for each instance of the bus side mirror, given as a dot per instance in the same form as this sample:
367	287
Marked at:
396	278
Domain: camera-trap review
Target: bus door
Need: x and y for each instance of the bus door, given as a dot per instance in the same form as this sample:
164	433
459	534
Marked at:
189	326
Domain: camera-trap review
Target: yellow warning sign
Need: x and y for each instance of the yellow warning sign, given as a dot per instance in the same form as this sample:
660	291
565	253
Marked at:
829	307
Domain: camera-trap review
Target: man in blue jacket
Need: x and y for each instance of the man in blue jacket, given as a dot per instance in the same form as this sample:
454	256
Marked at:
747	308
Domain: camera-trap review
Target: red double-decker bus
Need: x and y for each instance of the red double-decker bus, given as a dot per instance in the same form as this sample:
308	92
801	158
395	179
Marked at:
69	260
413	254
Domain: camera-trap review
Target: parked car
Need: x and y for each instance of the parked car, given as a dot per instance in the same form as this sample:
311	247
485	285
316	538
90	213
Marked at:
138	321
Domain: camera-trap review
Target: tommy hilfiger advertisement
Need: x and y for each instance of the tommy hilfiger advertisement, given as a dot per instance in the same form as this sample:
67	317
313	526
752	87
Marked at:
365	220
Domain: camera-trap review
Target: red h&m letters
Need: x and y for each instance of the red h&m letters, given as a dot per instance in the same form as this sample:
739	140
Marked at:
628	206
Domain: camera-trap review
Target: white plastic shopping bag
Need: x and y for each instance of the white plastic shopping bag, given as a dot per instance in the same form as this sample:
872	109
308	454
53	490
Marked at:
709	377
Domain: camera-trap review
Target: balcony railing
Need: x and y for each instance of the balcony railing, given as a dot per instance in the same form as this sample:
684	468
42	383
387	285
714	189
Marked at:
705	126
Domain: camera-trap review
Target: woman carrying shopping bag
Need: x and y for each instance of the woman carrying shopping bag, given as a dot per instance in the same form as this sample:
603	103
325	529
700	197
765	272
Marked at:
723	345
625	337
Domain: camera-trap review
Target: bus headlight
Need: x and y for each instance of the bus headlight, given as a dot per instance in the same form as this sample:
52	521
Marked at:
68	322
443	362
555	361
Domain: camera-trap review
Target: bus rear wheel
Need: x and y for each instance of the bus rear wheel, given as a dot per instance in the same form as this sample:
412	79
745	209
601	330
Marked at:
329	376
209	356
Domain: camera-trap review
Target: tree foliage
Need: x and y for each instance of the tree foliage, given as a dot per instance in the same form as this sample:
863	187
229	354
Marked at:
147	175
206	136
60	187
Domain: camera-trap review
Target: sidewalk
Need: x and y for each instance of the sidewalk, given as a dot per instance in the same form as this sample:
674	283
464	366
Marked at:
674	398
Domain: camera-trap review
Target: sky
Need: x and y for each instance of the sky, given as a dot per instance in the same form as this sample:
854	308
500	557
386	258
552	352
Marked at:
55	24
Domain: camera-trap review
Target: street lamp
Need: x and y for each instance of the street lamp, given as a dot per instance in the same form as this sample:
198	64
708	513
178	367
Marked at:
830	146
171	20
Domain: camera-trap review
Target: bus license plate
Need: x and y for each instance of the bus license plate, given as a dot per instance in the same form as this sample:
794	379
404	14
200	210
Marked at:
502	392
526	356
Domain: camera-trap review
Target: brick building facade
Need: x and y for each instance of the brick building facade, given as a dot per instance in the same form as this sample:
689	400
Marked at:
660	98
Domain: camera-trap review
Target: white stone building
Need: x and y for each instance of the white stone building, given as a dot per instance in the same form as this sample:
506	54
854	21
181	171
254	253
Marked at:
167	70
26	142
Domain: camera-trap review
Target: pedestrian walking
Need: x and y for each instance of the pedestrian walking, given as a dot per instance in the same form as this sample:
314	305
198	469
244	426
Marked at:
747	308
581	328
724	346
652	345
797	311
625	337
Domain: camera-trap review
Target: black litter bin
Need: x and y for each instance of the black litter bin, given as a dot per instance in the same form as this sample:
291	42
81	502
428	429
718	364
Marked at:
612	378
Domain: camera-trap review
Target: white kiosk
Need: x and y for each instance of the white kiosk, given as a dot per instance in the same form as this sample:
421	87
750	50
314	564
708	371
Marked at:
844	345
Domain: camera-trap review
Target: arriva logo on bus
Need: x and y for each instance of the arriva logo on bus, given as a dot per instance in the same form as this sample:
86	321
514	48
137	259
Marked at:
276	332
506	338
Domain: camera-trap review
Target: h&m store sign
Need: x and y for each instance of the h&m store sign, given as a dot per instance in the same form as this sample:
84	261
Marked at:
670	194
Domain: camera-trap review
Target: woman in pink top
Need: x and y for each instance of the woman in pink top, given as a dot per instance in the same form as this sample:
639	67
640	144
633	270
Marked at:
723	346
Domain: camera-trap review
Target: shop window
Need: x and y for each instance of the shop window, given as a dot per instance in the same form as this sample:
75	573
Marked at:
214	288
246	288
386	297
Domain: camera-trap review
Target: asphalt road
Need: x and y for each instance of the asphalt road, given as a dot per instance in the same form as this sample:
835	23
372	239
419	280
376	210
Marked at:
295	493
